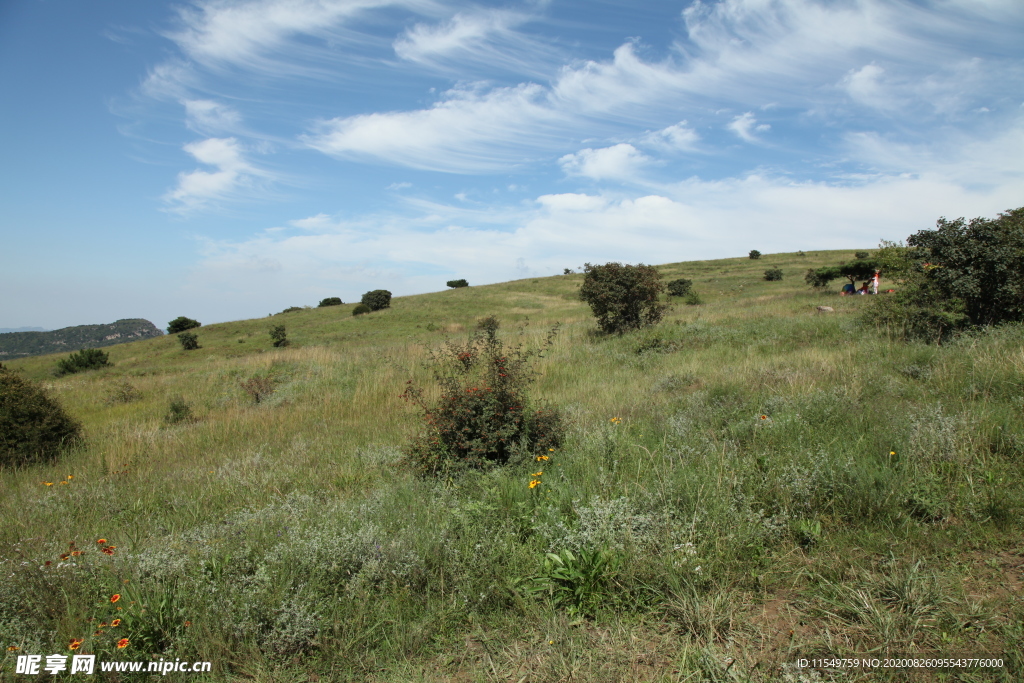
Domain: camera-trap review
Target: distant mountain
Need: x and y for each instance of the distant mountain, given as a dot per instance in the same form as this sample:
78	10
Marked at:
22	344
4	330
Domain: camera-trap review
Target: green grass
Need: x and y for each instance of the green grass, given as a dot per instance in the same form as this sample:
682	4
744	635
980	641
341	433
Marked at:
778	483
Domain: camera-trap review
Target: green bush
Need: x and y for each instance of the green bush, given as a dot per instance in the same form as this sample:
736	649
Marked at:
291	309
330	301
960	275
279	336
181	323
861	255
754	254
692	298
377	300
33	427
819	278
623	297
189	341
680	287
457	283
85	359
360	309
483	416
178	411
773	274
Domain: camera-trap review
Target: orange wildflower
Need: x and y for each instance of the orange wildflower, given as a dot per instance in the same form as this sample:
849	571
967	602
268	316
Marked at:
75	644
115	597
122	644
115	623
101	540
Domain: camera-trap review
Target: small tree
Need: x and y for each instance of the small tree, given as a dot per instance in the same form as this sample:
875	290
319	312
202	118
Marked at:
377	299
189	341
33	427
567	271
279	336
773	274
454	284
960	275
181	323
754	254
859	270
861	255
623	297
680	287
483	416
819	278
330	301
84	359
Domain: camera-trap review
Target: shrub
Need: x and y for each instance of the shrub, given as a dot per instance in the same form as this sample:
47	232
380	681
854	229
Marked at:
488	325
820	278
680	287
960	275
179	411
123	392
692	298
189	341
567	271
329	301
754	254
483	416
623	297
258	387
291	309
279	336
85	359
773	274
33	427
457	283
377	299
360	309
861	255
181	323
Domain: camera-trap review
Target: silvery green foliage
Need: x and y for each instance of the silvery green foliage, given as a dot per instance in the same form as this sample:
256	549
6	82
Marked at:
935	436
613	524
267	568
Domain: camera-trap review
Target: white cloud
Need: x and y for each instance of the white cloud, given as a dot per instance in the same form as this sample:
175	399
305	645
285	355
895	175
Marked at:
621	162
467	132
460	34
196	189
677	137
207	116
746	125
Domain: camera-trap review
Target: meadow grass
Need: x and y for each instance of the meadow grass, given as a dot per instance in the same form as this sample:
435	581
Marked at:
744	484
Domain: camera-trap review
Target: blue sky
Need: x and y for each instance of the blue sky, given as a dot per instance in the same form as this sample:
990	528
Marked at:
224	159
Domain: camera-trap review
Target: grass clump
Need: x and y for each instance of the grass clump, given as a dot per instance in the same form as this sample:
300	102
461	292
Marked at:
85	359
33	427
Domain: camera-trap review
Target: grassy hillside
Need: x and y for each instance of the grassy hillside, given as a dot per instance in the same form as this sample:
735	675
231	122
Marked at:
745	484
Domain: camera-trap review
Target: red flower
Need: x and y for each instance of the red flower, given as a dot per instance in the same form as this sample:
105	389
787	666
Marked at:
122	644
75	644
115	597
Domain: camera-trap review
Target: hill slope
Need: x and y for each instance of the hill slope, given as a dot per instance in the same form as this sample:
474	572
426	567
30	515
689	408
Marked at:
23	344
747	483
